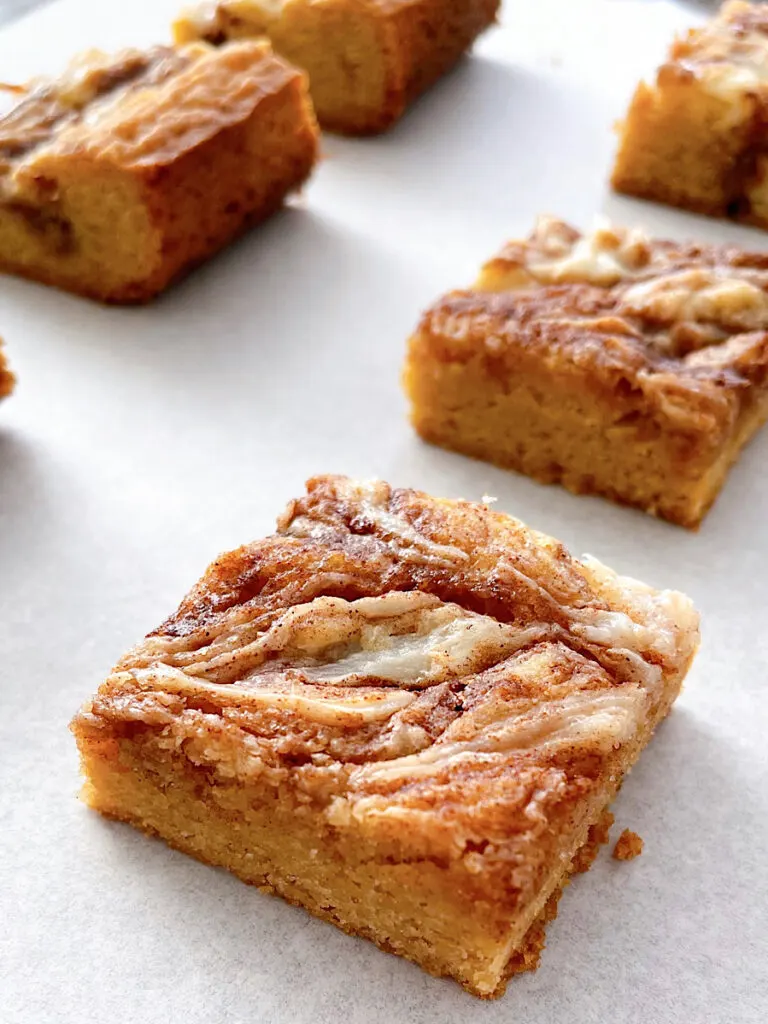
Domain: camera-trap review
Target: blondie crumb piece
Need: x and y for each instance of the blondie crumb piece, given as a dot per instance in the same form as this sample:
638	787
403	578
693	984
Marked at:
7	379
628	846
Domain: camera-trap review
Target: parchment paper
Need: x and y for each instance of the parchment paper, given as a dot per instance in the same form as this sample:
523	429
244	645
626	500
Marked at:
142	442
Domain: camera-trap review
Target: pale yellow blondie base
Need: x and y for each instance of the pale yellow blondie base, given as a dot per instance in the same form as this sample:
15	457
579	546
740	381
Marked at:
551	427
414	909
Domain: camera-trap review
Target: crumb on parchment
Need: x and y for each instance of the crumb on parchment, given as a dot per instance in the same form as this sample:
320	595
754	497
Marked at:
628	846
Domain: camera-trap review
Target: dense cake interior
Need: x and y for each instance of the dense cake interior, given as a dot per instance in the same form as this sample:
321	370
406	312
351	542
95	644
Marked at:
402	714
610	362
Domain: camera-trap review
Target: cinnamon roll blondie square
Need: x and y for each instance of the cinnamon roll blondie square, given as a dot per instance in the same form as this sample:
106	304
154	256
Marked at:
7	379
402	713
695	138
129	169
366	59
611	363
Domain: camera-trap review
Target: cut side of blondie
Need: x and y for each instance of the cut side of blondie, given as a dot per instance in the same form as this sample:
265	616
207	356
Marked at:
366	59
7	379
128	170
695	138
611	363
407	715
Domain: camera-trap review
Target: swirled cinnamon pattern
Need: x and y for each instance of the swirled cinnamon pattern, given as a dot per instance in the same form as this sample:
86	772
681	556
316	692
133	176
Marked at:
394	660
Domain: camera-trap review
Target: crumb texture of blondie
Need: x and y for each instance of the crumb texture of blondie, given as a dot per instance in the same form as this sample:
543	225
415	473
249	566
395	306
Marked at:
366	59
695	138
130	169
628	846
7	379
407	715
609	362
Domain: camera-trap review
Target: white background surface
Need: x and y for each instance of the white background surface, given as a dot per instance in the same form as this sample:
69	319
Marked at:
141	442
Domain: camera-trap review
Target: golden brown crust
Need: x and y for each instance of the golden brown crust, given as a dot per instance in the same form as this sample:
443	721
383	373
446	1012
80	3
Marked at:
142	137
7	379
700	311
525	957
367	59
92	82
663	343
695	137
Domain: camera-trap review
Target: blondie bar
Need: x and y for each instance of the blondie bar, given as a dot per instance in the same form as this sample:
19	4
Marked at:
402	713
611	363
129	169
366	59
695	138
